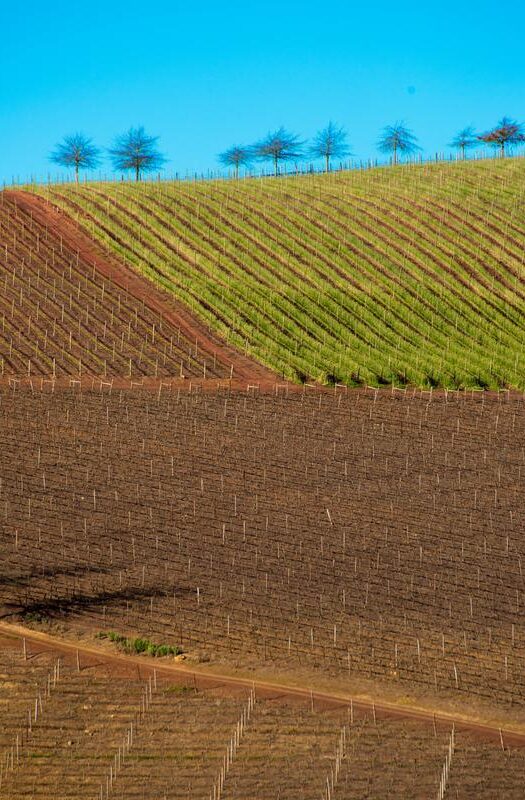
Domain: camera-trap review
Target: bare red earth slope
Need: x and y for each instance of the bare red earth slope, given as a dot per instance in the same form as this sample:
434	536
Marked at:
67	308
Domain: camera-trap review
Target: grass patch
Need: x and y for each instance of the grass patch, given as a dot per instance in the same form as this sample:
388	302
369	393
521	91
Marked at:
140	646
180	690
35	617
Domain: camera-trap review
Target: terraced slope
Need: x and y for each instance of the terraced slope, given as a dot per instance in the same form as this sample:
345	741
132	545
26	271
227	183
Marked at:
405	275
66	310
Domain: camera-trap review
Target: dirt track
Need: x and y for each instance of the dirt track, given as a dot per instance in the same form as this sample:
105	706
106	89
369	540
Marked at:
197	676
99	383
68	231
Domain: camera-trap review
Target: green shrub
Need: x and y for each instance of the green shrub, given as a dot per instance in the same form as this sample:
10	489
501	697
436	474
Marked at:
139	645
179	689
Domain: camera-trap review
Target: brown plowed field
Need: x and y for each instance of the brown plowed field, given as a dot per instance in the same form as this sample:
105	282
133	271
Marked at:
68	309
365	535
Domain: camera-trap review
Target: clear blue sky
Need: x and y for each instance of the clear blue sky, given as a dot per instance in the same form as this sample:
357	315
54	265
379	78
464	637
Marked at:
205	75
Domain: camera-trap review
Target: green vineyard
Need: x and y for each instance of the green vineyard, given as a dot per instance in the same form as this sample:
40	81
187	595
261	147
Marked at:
412	275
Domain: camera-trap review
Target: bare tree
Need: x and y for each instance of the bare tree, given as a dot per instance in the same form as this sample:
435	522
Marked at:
77	151
236	156
507	133
464	140
281	145
397	139
330	143
135	150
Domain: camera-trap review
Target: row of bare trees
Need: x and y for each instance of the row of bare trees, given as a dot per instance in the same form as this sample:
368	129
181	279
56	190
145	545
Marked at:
507	133
281	146
137	151
396	140
133	150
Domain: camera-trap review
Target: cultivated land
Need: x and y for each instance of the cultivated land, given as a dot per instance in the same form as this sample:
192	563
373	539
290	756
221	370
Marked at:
352	556
361	534
412	275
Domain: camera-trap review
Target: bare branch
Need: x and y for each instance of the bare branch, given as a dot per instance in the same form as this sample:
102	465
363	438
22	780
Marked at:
330	143
507	133
397	139
281	145
77	151
135	150
465	140
236	156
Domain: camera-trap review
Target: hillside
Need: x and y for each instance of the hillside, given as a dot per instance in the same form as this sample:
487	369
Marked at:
407	275
351	558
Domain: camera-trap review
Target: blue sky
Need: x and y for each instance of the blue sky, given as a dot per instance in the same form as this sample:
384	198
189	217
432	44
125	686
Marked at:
206	75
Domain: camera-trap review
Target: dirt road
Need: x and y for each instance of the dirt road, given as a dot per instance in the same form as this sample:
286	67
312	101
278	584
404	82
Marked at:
200	677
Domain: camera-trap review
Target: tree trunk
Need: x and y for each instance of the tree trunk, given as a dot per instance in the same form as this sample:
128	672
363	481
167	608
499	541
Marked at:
137	173
236	172
462	152
394	155
76	173
276	165
502	149
327	163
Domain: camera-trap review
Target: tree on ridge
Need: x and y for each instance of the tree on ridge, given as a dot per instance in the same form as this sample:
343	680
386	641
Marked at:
236	156
281	145
77	151
330	143
396	139
135	150
507	132
464	140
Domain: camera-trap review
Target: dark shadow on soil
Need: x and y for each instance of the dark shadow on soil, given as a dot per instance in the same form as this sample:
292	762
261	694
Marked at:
62	607
79	570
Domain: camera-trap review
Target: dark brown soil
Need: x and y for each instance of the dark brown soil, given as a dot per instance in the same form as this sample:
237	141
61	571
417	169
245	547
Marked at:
363	534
